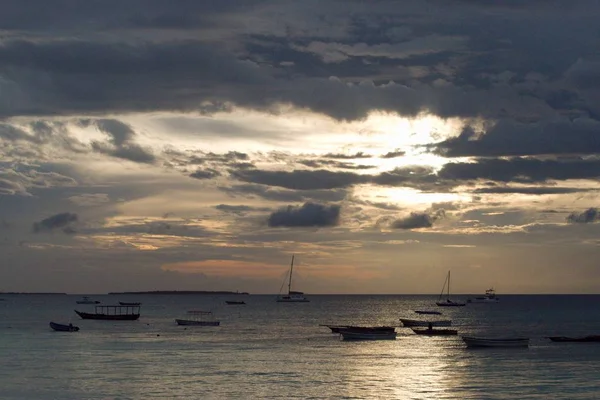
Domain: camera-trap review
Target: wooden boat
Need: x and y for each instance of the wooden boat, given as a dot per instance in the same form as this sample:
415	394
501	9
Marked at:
427	312
354	328
198	318
448	302
417	322
435	332
471	341
112	313
63	328
489	297
133	303
350	334
292	296
234	302
582	339
87	300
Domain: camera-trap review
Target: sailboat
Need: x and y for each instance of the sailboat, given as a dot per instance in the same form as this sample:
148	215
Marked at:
448	302
292	296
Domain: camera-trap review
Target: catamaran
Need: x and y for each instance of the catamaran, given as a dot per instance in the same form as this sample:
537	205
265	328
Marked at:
292	296
448	302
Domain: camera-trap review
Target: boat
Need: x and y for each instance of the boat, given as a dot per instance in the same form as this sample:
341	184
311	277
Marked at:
63	328
435	332
367	334
581	339
427	312
112	313
417	322
471	341
233	302
198	318
489	297
292	296
87	300
448	302
133	303
338	328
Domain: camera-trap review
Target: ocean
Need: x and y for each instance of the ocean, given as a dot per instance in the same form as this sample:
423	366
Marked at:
269	350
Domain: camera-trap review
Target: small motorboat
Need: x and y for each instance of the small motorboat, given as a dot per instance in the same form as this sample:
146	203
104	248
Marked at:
87	300
198	318
354	328
417	322
435	332
234	302
489	297
582	339
471	341
427	312
63	328
365	333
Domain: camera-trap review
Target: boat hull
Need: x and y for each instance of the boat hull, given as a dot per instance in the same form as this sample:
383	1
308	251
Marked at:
450	304
367	335
235	302
124	303
502	342
87	302
108	317
584	339
426	312
188	322
63	328
415	322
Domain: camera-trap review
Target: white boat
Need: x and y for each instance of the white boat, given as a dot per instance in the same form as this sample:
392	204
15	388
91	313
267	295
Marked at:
367	335
198	318
87	300
490	297
418	322
448	302
292	296
471	341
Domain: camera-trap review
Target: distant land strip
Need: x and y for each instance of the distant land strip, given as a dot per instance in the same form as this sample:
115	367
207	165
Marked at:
44	293
181	292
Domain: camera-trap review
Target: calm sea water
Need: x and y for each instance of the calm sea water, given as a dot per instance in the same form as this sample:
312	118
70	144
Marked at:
274	350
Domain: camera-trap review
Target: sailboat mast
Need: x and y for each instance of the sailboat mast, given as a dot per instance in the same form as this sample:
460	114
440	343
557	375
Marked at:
448	285
291	271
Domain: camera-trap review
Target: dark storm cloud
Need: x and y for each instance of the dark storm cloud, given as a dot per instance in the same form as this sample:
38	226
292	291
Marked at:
588	216
334	164
522	170
532	190
301	179
58	221
309	214
417	220
394	154
510	138
205	174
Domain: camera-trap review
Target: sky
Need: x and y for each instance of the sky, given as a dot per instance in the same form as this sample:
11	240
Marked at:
198	145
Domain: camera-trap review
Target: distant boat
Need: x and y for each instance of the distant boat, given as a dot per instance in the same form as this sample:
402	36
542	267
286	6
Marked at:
198	318
112	313
428	312
448	302
435	332
587	339
292	296
417	322
489	297
87	300
493	342
367	334
63	327
134	303
234	302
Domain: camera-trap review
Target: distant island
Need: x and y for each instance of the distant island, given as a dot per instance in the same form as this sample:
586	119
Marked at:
44	293
182	292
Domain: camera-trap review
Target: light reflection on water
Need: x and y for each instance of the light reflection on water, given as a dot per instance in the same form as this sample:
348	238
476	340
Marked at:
273	350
